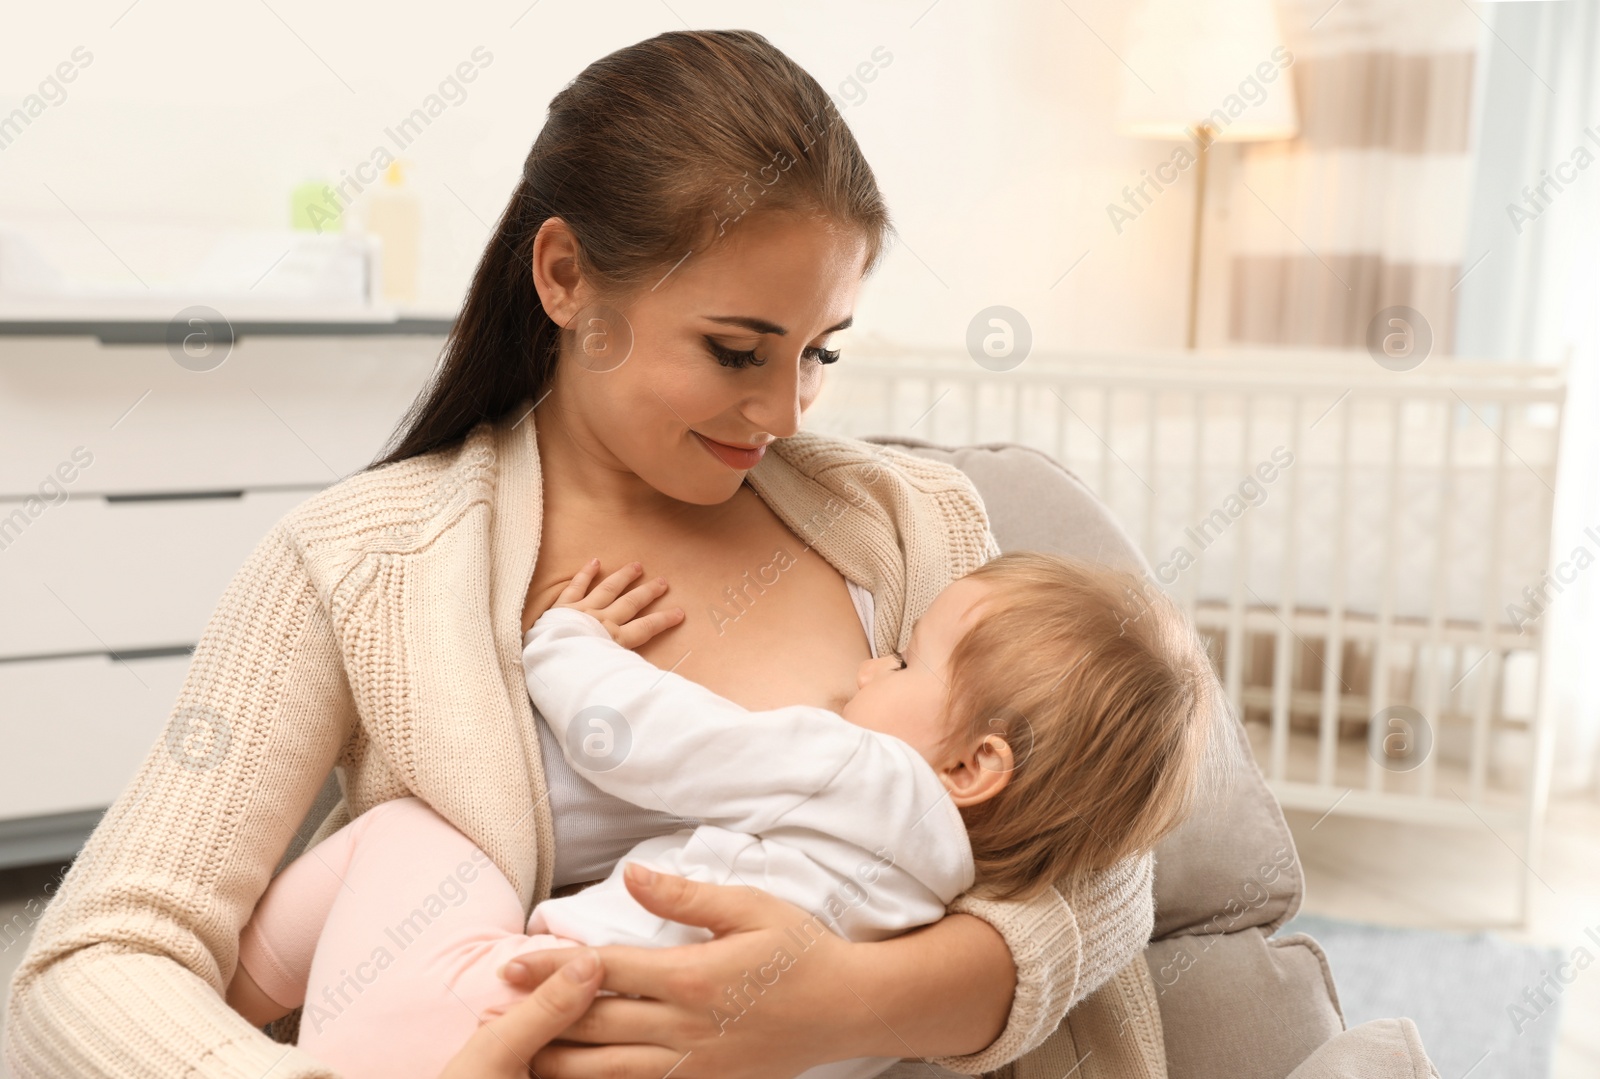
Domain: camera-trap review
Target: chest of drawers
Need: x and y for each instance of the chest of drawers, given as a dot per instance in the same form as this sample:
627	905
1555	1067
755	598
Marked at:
132	487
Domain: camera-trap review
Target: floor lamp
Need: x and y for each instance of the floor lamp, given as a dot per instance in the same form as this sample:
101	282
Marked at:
1217	72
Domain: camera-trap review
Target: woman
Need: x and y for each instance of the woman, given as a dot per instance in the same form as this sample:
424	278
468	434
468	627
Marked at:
626	380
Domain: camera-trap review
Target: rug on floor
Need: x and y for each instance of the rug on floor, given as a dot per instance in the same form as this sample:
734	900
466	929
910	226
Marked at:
1482	1004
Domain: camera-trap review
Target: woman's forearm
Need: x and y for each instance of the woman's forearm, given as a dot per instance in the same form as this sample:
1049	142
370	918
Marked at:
939	991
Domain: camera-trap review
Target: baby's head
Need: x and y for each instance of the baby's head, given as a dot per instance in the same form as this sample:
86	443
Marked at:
1069	709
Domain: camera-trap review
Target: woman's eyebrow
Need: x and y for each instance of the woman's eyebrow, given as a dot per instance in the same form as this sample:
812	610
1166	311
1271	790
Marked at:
761	325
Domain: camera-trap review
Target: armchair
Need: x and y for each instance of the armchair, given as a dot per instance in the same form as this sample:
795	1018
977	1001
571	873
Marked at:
1227	998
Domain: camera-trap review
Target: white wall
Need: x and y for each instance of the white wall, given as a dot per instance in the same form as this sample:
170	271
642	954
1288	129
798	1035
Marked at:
990	131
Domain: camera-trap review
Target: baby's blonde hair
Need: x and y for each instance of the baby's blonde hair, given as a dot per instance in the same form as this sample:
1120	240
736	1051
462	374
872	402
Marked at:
1110	705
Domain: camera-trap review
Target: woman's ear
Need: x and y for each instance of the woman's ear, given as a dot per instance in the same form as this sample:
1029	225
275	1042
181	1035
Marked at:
981	773
562	290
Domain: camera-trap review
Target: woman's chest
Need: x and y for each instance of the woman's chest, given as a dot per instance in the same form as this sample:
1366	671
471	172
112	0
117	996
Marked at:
767	621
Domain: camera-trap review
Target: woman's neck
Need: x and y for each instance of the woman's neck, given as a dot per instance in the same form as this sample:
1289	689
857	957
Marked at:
581	476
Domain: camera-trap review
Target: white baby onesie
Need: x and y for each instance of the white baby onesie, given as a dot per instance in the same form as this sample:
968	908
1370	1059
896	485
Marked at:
849	824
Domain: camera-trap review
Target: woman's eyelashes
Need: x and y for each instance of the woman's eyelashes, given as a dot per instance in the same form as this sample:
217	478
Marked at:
729	357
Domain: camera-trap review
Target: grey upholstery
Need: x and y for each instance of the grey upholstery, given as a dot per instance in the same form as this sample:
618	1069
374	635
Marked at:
1242	1003
1035	504
1387	1047
1235	1002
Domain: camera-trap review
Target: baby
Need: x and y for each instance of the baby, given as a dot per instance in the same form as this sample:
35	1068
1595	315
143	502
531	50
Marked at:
1045	720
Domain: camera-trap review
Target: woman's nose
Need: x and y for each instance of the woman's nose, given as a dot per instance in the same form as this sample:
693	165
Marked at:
775	407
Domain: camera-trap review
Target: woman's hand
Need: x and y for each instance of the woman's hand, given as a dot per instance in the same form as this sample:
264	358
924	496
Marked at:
770	997
502	1048
616	609
776	992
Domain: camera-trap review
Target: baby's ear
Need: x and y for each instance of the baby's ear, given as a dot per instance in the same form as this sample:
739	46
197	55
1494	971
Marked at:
980	773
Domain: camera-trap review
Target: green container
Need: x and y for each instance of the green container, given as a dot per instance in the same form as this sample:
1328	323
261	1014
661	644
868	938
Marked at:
314	207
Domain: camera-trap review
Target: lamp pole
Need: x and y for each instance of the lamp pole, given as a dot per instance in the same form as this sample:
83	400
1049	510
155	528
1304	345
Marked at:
1207	136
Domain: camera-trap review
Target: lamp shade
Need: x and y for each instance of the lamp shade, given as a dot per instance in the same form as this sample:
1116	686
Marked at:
1220	62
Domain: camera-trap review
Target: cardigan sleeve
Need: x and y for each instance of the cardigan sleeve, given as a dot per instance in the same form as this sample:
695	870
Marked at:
126	970
1064	948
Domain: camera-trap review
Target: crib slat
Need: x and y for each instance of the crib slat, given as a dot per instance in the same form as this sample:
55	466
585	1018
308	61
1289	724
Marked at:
1333	643
1058	394
1241	547
1015	434
1191	587
1433	698
1544	740
1152	475
1488	670
1380	648
1284	639
1105	435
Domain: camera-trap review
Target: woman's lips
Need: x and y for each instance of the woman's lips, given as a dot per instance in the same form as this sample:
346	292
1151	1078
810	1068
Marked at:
738	458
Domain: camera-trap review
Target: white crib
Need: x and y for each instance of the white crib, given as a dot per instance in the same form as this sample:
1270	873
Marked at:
1360	545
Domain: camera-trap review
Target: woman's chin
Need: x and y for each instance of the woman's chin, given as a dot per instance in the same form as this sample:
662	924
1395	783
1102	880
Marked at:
698	485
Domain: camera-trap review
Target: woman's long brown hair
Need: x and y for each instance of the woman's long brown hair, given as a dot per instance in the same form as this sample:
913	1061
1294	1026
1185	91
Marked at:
652	152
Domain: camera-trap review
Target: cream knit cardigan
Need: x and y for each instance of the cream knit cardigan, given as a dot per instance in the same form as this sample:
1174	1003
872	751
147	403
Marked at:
376	629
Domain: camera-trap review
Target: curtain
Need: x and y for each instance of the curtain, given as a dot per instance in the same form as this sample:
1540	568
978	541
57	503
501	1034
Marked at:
1366	209
1532	298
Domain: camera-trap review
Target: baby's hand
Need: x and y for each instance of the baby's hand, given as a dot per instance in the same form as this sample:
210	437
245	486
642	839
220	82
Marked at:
617	610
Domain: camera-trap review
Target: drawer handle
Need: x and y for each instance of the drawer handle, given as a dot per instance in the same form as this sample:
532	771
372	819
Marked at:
172	496
166	651
158	652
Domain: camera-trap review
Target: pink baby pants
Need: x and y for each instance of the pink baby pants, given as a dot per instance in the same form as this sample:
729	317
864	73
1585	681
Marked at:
390	932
